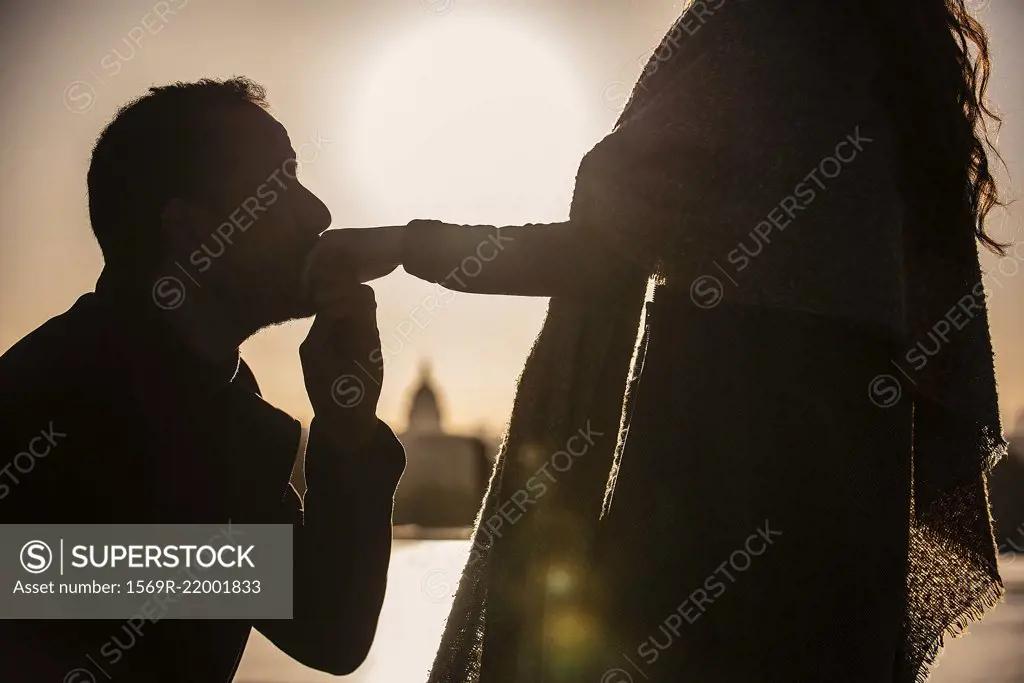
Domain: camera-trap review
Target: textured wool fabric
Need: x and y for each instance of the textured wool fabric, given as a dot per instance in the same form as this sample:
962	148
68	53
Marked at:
733	112
779	551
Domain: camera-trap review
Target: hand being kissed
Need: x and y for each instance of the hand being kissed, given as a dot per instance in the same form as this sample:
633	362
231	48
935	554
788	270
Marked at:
355	254
342	363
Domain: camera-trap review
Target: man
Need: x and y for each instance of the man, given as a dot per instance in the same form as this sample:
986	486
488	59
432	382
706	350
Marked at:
134	406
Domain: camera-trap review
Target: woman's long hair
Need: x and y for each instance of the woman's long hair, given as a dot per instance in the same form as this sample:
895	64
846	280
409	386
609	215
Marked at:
936	75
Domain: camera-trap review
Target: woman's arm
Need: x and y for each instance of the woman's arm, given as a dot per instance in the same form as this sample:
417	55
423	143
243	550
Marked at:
542	259
554	259
526	260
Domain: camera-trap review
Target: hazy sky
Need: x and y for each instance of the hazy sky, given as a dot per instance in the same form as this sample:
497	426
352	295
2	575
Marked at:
464	110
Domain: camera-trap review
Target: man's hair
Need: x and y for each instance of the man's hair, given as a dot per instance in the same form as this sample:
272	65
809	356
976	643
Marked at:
154	149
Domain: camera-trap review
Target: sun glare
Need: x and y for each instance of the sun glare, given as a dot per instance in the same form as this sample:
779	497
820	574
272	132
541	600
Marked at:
470	120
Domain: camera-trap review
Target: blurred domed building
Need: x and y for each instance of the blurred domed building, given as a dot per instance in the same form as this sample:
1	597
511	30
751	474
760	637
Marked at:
445	474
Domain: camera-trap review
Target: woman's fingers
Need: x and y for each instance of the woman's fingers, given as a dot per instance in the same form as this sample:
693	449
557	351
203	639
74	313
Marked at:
358	255
366	272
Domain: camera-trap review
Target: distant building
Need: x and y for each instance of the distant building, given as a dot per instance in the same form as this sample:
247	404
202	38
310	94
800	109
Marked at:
446	474
1006	489
1016	437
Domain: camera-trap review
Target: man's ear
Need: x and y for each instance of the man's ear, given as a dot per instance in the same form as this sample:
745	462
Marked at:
182	225
174	211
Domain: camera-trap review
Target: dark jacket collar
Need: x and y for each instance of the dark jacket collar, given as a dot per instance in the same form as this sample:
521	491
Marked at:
142	330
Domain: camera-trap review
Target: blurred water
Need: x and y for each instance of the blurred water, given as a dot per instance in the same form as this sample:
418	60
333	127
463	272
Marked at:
991	651
424	575
421	585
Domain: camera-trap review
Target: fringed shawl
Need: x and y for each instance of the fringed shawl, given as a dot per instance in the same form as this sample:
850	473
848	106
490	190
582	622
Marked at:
577	376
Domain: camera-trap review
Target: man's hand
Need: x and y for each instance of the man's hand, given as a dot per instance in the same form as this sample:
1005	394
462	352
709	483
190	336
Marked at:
342	363
342	536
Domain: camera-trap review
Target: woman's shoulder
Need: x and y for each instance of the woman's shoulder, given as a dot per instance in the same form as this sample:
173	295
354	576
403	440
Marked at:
741	44
757	67
833	38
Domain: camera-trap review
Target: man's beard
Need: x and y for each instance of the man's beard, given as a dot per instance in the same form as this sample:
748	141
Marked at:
267	307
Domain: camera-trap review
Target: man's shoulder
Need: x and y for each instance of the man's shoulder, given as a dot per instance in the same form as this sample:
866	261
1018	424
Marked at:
62	352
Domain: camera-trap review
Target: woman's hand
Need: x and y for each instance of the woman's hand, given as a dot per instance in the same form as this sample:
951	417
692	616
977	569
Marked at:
353	255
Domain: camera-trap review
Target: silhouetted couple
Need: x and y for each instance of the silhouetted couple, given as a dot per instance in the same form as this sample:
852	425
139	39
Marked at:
745	302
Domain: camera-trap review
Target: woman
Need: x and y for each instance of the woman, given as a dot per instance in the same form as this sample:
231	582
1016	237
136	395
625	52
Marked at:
784	476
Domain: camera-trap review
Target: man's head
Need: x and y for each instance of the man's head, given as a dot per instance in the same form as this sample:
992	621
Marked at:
198	179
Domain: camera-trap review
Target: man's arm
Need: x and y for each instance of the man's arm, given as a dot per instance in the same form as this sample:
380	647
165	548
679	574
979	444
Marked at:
342	550
353	462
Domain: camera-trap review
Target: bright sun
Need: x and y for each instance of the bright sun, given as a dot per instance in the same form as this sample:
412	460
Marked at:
471	120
